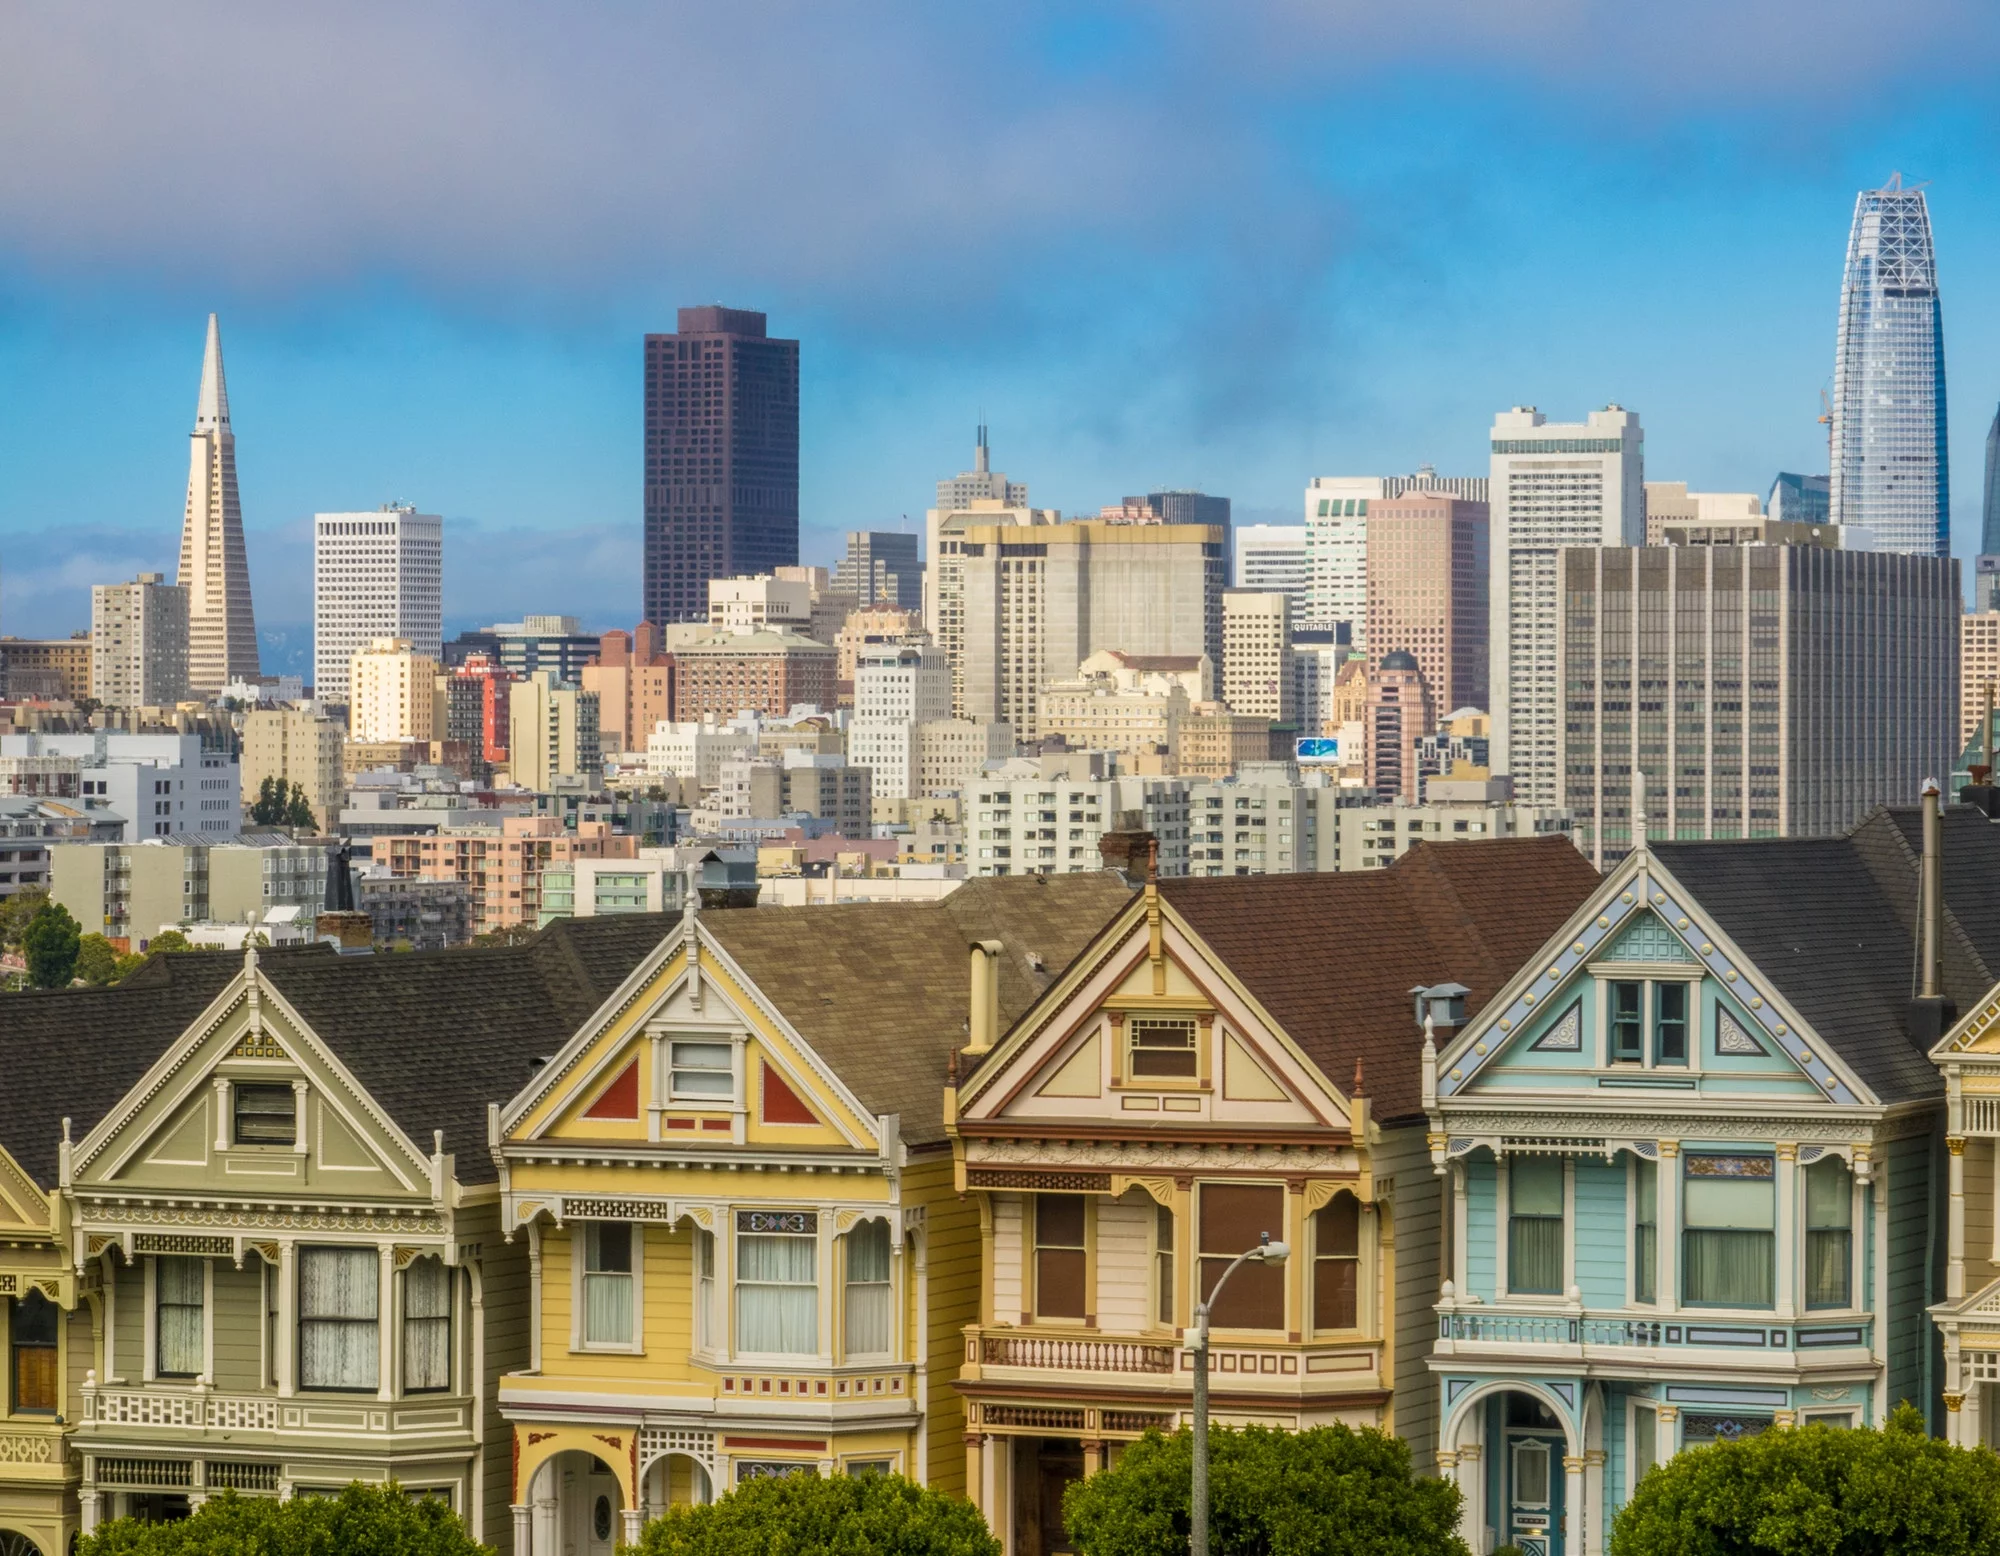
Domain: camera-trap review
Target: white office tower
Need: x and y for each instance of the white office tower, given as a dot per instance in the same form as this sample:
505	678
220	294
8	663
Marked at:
1257	672
214	569
139	643
1553	484
1272	558
1336	526
897	687
375	575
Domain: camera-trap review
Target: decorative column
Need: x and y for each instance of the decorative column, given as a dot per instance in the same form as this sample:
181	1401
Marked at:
1093	1456
1954	1377
1954	1270
1666	1434
975	1466
385	1323
523	1536
286	1368
1788	1239
299	1138
1593	1502
1471	1492
1576	1527
632	1520
1667	1230
221	1113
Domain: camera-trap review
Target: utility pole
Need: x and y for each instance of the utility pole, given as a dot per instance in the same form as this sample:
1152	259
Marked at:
1266	1252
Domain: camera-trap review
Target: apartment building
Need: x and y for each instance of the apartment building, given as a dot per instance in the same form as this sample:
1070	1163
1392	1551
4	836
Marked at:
375	575
159	784
390	687
296	746
139	643
1257	673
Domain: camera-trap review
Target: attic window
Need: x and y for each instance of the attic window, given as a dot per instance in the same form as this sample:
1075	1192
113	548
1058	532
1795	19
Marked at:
265	1115
1163	1045
703	1070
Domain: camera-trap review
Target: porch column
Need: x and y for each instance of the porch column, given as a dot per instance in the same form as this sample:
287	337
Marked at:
1954	1270
88	1498
1788	1229
1954	1376
523	1535
286	1370
1576	1526
1472	1492
633	1519
546	1535
975	1472
385	1323
1667	1230
1593	1502
1093	1456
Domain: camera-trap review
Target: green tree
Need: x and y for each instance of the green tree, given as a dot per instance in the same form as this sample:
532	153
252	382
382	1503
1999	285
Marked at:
17	912
361	1521
51	942
268	809
299	813
1329	1491
858	1515
1804	1490
168	940
97	961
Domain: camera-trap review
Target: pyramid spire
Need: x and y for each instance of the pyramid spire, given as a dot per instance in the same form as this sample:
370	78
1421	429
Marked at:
211	412
222	628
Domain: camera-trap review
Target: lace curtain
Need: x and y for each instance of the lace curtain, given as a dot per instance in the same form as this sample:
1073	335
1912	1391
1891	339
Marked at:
339	1303
426	1326
178	1315
868	1298
777	1295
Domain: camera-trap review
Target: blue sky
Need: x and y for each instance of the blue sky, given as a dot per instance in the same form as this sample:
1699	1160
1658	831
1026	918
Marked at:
1175	244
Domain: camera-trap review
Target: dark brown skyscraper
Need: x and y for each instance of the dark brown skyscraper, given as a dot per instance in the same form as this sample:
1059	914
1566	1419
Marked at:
722	457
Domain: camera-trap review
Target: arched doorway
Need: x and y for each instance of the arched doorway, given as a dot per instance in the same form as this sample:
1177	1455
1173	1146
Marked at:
674	1480
1512	1445
15	1543
576	1508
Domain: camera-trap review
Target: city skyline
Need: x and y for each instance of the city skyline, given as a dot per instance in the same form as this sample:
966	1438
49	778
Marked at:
493	380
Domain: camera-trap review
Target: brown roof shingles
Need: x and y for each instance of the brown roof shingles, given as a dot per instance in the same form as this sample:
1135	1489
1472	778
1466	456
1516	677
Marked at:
1332	958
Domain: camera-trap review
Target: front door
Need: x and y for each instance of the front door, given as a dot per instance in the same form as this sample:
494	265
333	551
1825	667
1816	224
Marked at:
600	1512
1534	1494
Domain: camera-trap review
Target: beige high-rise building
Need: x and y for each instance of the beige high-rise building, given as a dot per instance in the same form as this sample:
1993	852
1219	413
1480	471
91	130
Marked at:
139	643
552	733
297	746
1021	605
389	693
1428	577
222	628
1978	668
944	568
1670	502
1128	703
1257	653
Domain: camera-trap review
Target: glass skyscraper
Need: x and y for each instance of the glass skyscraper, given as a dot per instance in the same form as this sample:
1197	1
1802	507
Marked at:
1890	474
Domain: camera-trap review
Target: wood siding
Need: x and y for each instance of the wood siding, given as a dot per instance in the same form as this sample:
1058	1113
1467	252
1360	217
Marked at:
1413	1275
1009	1273
1124	1262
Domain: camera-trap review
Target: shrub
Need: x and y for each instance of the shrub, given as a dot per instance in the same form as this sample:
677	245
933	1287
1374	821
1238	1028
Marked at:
51	943
361	1521
1329	1491
805	1515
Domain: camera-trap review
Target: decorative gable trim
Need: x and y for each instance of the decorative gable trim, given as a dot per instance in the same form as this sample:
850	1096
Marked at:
1564	1034
1639	883
1732	1038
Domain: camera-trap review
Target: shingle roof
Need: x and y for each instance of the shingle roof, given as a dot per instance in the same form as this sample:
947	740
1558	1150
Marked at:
1832	922
434	1036
1333	957
882	990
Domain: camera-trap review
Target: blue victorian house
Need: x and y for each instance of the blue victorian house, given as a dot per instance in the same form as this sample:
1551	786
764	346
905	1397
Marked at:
1694	1163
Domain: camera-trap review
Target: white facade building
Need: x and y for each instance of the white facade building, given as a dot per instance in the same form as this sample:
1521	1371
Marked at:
1336	526
897	688
695	751
1553	484
139	643
1019	823
760	604
1257	671
375	575
1272	557
160	785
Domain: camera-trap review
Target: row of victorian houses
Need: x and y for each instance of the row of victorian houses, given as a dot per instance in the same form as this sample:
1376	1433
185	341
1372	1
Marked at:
1575	1170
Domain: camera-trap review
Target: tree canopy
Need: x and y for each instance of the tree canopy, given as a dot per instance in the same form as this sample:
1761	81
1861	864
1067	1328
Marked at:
1329	1491
361	1521
281	804
1804	1490
51	943
17	912
788	1515
168	940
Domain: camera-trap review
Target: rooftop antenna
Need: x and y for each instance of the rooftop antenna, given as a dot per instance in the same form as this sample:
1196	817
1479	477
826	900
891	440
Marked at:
980	451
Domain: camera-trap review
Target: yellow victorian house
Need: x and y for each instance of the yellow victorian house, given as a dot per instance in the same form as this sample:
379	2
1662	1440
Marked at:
748	1253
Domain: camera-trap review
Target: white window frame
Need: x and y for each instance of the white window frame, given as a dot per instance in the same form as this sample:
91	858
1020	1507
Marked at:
891	1283
1649	976
151	1360
1663	1449
579	1257
704	1099
820	1239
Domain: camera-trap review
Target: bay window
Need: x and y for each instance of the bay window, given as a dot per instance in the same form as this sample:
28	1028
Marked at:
869	1307
179	1310
1829	1234
1645	1231
1535	1225
1059	1256
31	1338
607	1283
340	1298
777	1282
426	1327
1337	1264
1729	1257
1232	1215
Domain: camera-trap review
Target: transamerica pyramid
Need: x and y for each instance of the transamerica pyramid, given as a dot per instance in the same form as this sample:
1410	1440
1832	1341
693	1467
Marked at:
222	628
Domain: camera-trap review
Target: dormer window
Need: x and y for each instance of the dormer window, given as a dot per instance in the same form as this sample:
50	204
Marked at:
265	1115
1164	1046
702	1072
1638	1009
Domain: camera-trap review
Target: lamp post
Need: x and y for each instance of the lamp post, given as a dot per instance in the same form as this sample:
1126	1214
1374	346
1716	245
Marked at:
1266	1252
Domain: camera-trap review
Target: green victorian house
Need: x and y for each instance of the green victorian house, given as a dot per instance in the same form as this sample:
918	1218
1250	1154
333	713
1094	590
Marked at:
284	1214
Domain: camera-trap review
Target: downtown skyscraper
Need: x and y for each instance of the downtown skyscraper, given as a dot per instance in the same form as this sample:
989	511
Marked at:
1890	473
721	457
222	628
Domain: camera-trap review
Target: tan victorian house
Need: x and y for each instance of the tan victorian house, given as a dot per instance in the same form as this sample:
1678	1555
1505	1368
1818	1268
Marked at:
1226	1059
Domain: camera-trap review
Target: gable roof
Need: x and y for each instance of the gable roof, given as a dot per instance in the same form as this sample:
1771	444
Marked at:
434	1036
1333	957
1833	922
882	990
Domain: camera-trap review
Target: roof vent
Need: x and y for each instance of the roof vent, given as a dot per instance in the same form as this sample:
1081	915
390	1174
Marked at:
1443	1003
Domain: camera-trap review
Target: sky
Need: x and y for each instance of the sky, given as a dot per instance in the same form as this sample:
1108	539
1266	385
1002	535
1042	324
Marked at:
1179	244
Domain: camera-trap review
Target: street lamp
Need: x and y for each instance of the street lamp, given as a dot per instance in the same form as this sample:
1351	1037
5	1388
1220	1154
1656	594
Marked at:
1266	1252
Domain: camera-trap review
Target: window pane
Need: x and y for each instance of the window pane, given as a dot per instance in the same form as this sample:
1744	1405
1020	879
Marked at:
1535	1185
1627	1021
1336	1288
265	1115
1338	1229
1059	1283
178	1318
1163	1046
339	1299
607	1309
777	1294
1534	1253
869	1309
1743	1204
1829	1262
609	1247
34	1323
1058	1220
1646	1231
1729	1268
1829	1201
1670	1023
1231	1217
1645	1437
1163	1243
426	1325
